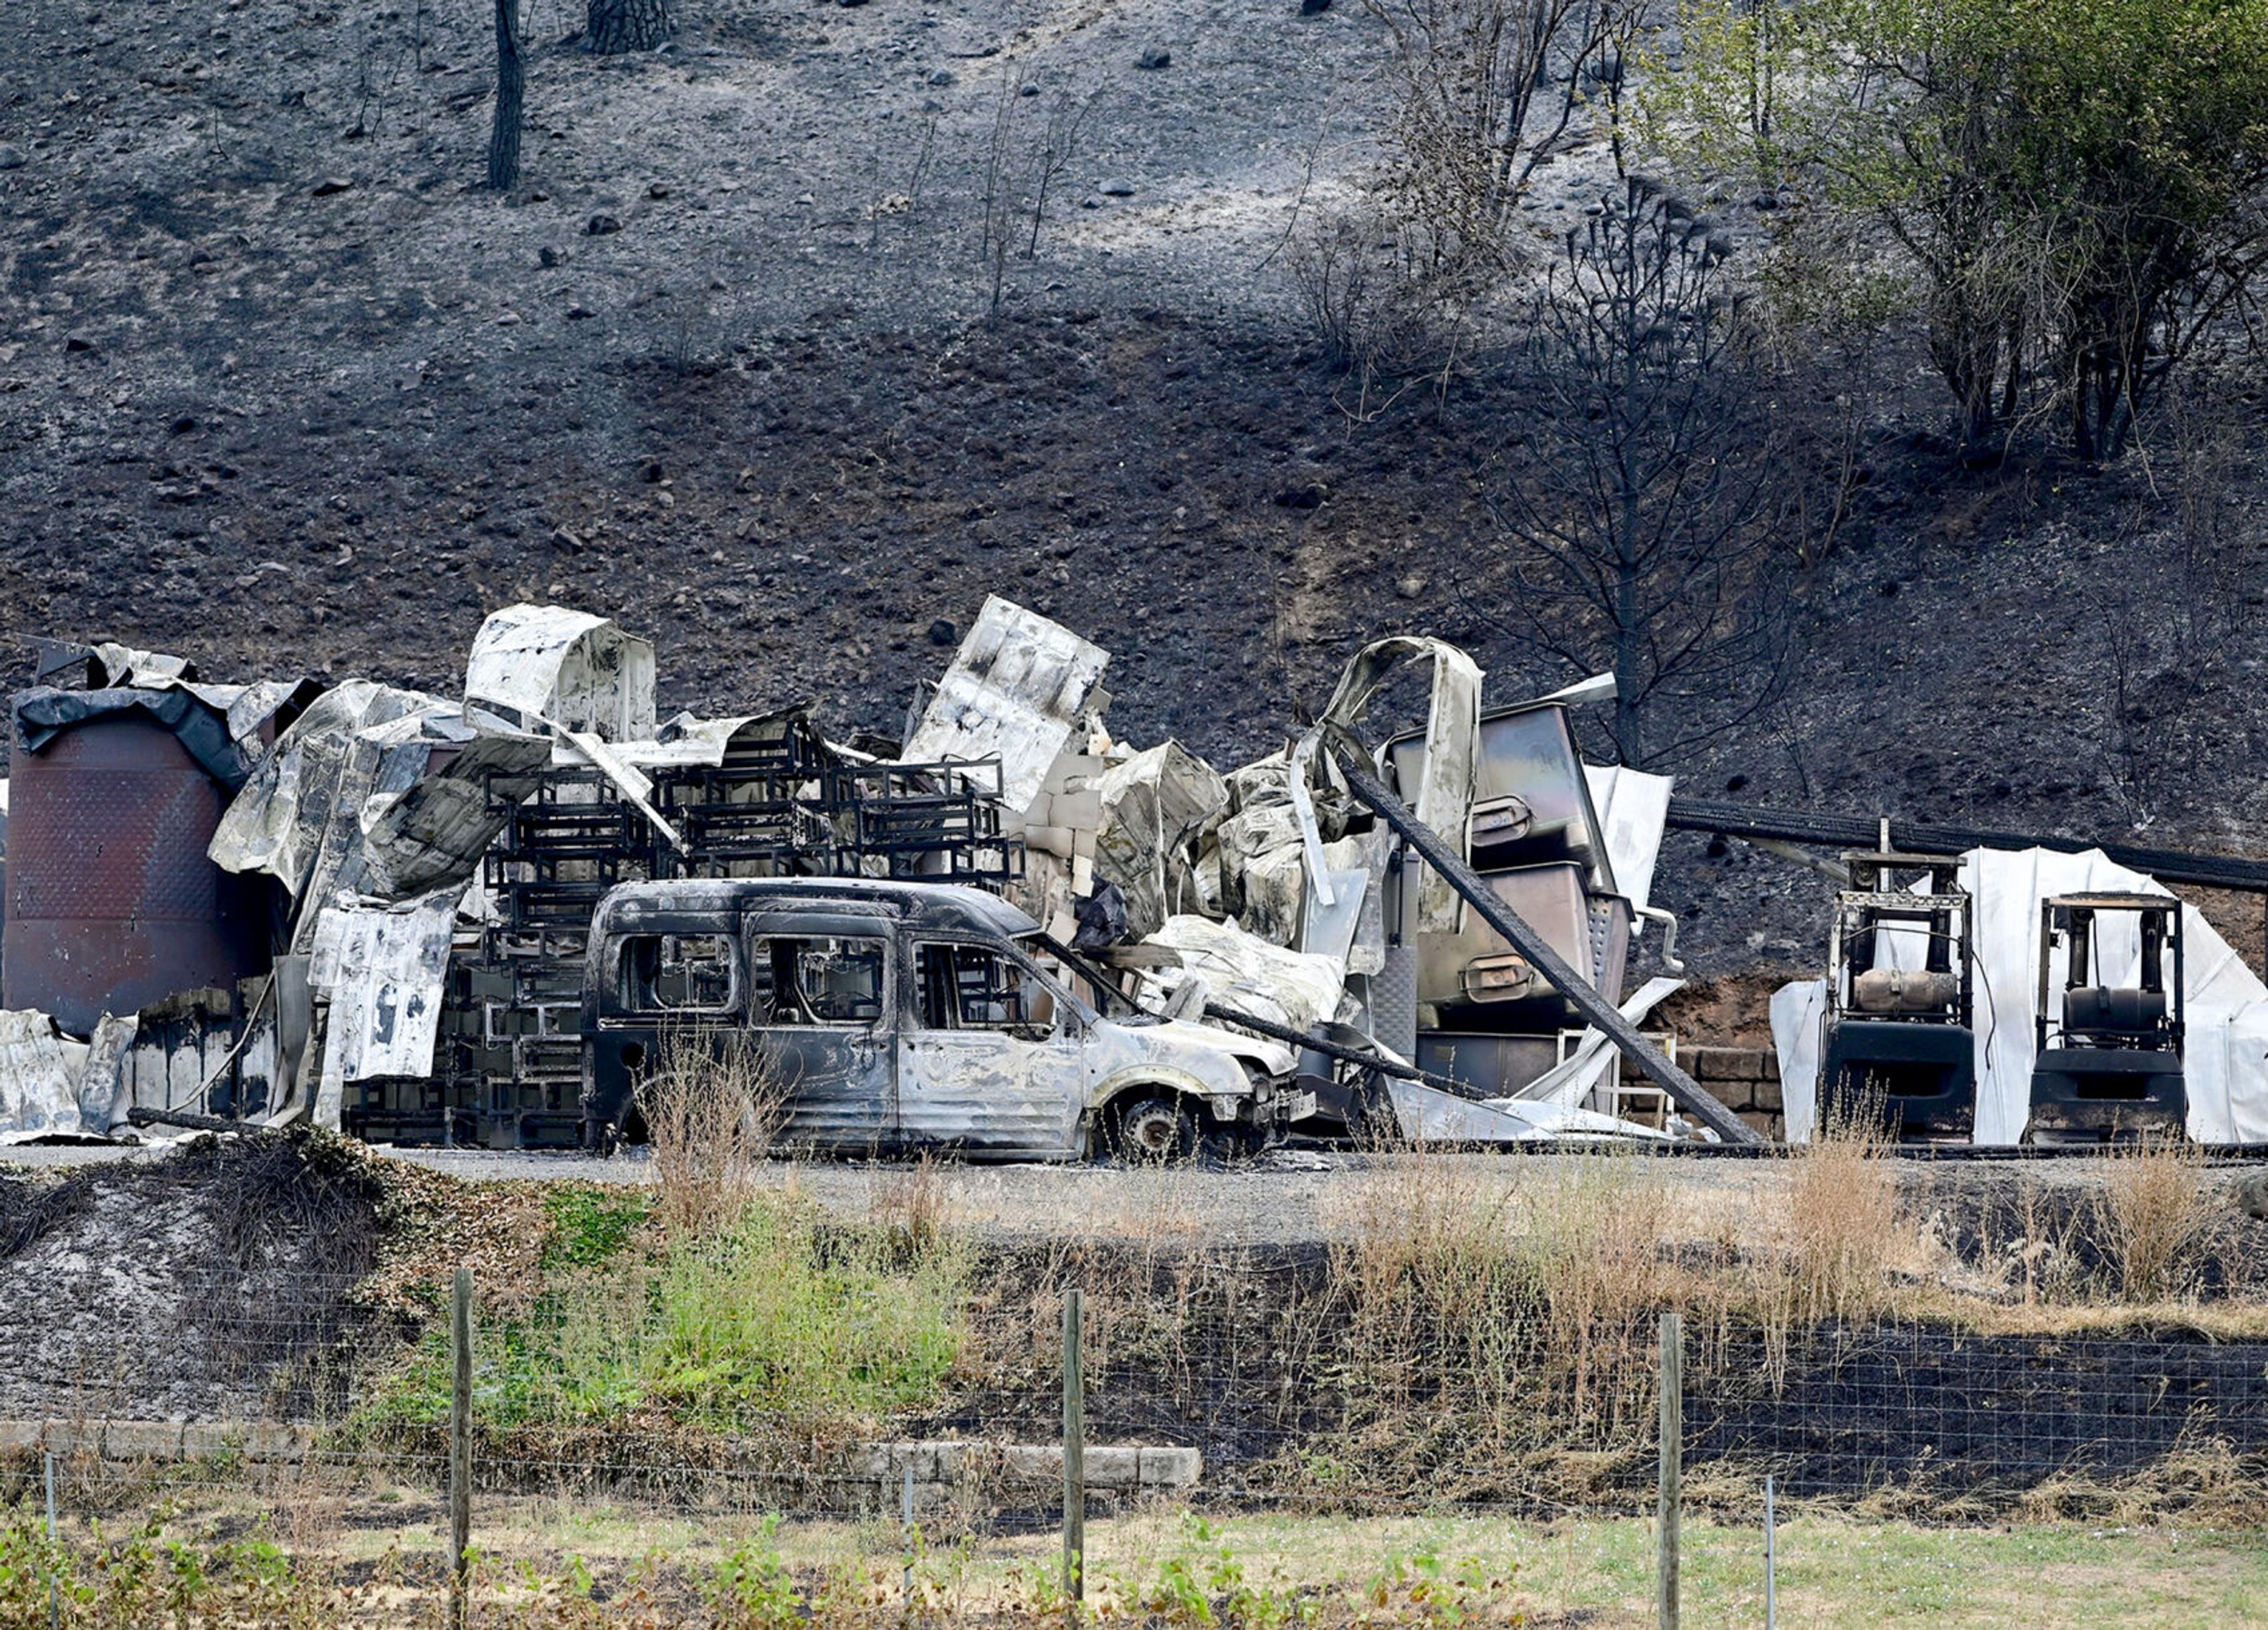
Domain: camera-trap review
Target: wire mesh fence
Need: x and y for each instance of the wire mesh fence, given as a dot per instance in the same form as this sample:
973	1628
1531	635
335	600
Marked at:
1235	1386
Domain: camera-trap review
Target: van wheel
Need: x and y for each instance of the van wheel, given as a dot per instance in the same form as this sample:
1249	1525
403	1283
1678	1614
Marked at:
1152	1129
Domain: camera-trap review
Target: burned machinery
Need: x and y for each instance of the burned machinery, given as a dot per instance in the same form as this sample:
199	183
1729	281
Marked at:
1898	1048
2109	1066
1486	1016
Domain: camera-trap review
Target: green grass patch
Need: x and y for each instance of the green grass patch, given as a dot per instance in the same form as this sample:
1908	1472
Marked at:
776	1319
589	1224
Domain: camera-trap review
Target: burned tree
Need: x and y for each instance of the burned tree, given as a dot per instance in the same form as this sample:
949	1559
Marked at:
1484	89
511	90
613	26
1642	488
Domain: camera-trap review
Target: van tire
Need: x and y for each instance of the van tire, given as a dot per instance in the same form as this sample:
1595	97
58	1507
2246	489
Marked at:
1152	1128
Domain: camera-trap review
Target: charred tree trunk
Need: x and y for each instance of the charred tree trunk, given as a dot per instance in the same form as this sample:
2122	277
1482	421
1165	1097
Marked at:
511	89
613	26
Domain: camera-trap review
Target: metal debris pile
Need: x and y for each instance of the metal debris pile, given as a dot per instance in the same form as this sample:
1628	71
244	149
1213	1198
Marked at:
370	908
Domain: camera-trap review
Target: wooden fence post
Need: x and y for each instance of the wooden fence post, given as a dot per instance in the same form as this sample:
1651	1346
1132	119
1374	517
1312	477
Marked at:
460	1443
1074	1446
1673	1464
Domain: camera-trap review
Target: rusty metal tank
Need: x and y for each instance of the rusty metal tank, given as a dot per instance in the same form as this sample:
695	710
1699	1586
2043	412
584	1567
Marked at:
112	902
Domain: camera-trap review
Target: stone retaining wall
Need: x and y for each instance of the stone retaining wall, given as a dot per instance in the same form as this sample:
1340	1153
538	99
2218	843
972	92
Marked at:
1744	1080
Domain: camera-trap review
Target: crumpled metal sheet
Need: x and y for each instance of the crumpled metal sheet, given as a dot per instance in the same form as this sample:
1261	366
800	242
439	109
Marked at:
1429	1115
116	665
1155	807
41	1073
349	802
436	831
1263	852
1244	971
688	740
1015	690
1453	727
1572	1080
382	966
276	823
568	669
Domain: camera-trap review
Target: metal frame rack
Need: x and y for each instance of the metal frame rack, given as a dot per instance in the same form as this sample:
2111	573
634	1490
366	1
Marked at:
780	803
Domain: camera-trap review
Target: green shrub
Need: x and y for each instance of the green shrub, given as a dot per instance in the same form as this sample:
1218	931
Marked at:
772	1318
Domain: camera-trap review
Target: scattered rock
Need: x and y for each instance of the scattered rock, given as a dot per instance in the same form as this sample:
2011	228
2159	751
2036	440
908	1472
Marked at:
1157	56
566	542
1029	90
601	226
78	342
1314	8
945	77
331	185
575	313
1307	495
539	196
183	426
1116	189
652	473
1410	587
11	157
944	631
507	319
2252	1195
548	257
1766	201
659	189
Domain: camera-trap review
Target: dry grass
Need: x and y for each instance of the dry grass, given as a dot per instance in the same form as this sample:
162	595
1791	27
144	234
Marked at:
913	1204
2154	1213
1843	1213
711	1105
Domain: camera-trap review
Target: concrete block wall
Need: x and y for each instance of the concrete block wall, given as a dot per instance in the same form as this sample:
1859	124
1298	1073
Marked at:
1744	1080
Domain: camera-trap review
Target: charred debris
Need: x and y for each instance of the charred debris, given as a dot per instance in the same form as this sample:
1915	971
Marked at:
373	910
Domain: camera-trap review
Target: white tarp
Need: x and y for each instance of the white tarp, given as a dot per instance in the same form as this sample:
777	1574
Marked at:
1015	689
1633	812
2225	1004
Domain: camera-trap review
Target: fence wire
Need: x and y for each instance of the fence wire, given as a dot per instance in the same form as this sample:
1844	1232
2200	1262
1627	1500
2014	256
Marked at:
1286	1402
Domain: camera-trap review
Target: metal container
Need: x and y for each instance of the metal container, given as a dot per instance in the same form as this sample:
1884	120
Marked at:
112	902
1497	1064
1473	965
1531	800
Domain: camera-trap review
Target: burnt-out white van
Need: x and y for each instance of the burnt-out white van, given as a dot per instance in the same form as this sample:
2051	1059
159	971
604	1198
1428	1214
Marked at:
903	1016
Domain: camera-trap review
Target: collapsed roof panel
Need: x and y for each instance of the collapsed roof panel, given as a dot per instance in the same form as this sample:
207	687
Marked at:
548	665
1014	692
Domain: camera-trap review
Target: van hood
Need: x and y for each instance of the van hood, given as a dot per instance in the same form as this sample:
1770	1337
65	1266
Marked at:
1273	1058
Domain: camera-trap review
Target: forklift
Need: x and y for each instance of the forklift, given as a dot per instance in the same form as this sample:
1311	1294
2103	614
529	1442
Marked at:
1897	1048
2110	1056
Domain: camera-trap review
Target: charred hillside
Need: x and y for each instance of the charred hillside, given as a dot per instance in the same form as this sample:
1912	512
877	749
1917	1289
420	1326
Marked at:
752	362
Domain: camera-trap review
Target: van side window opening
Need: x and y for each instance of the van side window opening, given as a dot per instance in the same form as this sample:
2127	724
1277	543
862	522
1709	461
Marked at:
678	973
968	987
815	980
